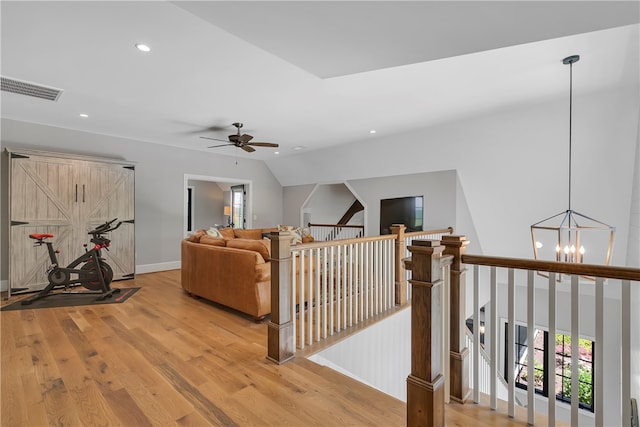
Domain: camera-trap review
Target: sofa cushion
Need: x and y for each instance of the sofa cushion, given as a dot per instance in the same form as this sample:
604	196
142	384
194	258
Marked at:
255	234
212	240
261	246
195	237
227	233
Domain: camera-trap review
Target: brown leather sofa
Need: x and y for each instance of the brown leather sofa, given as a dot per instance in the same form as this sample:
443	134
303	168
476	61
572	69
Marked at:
232	270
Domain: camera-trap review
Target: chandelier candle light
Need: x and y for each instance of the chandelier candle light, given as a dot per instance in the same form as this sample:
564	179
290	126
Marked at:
570	233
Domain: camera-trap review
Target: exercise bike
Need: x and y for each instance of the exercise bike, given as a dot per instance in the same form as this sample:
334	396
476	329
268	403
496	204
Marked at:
94	273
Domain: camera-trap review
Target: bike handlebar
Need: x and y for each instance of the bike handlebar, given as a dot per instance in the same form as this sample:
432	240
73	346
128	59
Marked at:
105	228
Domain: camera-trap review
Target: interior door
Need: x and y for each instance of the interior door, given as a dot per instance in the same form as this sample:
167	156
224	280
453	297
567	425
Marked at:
108	193
238	206
44	199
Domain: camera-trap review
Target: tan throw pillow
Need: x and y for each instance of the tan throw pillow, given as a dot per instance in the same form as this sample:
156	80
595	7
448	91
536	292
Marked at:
195	237
261	246
255	234
213	241
227	233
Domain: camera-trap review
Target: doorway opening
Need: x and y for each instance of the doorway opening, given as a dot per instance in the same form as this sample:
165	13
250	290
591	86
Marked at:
238	206
210	202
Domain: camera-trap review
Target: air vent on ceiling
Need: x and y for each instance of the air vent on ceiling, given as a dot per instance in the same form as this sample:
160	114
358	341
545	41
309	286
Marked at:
30	89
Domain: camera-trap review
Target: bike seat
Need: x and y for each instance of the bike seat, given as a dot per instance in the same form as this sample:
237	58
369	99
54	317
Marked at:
40	236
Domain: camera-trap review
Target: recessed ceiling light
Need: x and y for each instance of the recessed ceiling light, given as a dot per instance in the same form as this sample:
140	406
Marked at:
276	152
372	131
143	47
299	147
83	115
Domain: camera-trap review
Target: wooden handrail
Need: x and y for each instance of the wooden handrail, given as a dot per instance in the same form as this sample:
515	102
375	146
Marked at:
335	225
329	243
322	244
437	231
608	272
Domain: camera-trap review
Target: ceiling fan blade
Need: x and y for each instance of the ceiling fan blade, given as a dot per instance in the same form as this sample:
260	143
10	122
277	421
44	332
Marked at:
245	138
214	139
263	144
221	145
247	148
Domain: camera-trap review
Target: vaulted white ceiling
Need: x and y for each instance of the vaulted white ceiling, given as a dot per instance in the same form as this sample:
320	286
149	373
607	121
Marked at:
301	73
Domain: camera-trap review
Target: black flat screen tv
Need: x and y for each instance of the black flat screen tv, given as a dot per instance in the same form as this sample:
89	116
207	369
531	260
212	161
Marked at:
402	210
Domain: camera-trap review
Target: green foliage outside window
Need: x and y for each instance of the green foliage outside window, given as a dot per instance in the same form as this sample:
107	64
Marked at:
584	385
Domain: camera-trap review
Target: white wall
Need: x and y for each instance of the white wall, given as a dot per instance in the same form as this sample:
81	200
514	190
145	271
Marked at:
389	341
294	198
512	165
633	260
160	172
328	203
208	204
437	188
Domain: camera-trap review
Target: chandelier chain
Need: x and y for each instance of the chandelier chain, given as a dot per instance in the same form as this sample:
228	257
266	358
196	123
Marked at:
570	123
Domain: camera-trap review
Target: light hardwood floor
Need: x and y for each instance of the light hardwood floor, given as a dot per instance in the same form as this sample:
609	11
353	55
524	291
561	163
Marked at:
164	358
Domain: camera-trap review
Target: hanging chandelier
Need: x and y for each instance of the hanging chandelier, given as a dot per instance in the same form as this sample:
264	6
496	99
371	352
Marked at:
570	236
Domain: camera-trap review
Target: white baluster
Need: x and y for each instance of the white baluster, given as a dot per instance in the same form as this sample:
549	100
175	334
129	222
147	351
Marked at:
511	336
625	336
493	330
531	328
476	334
575	349
599	351
551	354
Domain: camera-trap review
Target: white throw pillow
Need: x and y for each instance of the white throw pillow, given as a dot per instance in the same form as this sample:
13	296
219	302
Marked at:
214	232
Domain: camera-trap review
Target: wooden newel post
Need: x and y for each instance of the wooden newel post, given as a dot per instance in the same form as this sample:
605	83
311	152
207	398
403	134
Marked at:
281	343
400	276
458	352
425	384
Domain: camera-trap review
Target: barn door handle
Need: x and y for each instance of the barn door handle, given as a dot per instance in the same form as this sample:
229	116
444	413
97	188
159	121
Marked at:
76	193
82	193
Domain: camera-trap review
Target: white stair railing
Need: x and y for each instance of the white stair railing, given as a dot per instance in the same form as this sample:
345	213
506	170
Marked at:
600	277
338	284
484	372
328	232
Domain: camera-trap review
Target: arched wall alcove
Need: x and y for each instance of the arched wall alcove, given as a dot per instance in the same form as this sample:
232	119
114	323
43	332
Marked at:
328	202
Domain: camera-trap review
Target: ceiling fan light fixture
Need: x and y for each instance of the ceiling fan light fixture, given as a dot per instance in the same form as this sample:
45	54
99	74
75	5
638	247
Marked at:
242	141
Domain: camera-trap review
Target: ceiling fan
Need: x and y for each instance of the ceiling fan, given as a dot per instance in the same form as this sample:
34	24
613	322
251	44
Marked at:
241	141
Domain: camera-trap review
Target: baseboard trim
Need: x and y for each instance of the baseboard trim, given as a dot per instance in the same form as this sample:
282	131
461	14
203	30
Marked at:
162	266
140	269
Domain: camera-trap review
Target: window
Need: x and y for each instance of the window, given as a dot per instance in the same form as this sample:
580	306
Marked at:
562	378
238	206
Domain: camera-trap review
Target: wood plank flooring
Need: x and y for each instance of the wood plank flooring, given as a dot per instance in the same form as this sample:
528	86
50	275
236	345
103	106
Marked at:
163	358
